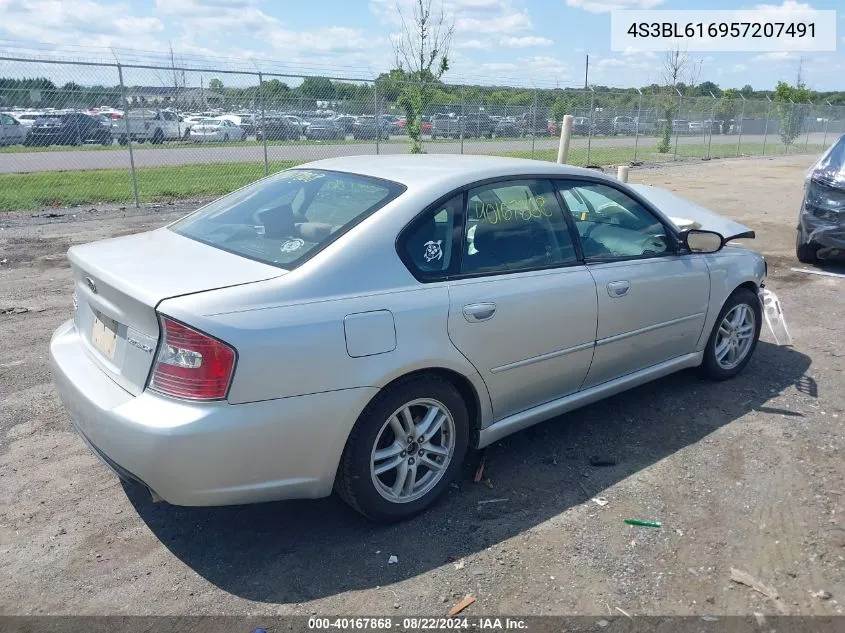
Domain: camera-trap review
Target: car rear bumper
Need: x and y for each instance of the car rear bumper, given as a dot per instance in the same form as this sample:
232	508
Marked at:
200	454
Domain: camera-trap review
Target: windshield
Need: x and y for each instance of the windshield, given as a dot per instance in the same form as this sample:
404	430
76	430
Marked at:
284	219
830	169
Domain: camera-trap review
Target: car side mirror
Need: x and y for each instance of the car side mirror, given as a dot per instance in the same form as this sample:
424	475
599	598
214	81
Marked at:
699	241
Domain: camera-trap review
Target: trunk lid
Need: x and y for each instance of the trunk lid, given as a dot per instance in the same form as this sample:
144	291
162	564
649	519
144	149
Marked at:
119	282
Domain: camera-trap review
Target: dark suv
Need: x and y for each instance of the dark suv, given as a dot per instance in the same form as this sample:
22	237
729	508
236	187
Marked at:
477	125
74	128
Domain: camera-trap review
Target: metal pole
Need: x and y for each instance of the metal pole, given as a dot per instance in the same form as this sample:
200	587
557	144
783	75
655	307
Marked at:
807	140
533	122
263	123
712	121
788	125
128	136
826	123
461	120
639	116
741	119
376	117
766	129
680	105
590	131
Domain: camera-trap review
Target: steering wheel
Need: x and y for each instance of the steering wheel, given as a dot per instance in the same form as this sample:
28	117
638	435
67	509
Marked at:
612	208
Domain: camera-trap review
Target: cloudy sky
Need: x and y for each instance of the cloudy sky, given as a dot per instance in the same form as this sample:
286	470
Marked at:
524	42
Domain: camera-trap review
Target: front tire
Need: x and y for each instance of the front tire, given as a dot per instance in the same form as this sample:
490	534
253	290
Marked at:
806	253
405	449
734	336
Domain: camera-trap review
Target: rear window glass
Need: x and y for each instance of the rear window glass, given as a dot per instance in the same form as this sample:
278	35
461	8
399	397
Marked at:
284	219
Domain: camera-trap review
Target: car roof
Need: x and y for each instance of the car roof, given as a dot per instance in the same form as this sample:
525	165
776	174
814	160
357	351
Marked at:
424	171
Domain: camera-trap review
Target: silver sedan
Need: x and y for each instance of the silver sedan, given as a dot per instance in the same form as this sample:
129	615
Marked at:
360	323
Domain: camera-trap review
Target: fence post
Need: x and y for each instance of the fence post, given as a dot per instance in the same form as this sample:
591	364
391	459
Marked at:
712	121
677	132
263	123
128	136
533	122
461	123
639	116
741	120
766	129
807	140
377	117
590	131
788	123
565	136
826	123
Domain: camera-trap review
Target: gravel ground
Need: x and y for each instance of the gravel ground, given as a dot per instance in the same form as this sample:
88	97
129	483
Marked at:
747	474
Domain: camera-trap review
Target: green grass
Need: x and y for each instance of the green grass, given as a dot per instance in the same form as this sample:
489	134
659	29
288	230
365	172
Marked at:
142	147
70	188
20	192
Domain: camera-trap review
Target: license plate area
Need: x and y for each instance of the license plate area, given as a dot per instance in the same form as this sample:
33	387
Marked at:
104	335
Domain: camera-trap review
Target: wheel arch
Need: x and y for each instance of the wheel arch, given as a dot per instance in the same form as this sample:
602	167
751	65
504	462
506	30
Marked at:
468	391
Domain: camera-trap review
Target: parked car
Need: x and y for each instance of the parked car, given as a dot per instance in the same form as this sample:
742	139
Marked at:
155	126
581	125
298	121
244	121
345	121
821	219
680	126
367	128
27	118
219	130
73	128
624	125
445	126
11	130
506	127
407	310
534	125
477	125
324	129
278	128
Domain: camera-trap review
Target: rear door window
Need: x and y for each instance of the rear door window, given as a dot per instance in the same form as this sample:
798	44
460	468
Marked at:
284	219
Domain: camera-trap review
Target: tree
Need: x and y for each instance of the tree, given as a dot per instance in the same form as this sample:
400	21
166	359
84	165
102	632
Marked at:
705	88
727	107
791	107
215	85
317	88
676	64
747	91
422	53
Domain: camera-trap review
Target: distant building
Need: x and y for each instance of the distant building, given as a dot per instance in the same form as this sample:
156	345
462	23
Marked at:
169	95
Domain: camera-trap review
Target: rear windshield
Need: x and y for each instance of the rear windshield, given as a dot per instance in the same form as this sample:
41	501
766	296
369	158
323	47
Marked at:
284	219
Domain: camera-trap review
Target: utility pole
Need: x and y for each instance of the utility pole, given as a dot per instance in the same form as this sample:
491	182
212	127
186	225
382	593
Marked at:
587	71
800	66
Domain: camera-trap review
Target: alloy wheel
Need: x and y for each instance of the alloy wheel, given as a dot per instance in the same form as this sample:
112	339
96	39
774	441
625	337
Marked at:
412	450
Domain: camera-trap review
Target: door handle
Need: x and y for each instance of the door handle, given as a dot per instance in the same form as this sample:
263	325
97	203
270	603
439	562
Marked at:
618	289
476	312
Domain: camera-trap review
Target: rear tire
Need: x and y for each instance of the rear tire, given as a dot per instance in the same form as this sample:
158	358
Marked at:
720	362
370	492
806	253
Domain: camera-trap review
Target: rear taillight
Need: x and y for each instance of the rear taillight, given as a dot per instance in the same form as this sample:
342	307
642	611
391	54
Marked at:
191	364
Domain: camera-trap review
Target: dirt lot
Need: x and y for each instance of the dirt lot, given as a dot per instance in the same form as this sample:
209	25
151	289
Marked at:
746	474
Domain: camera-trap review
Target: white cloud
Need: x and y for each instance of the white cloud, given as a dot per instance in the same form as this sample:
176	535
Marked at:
504	23
786	5
738	68
526	41
776	56
497	66
473	44
603	6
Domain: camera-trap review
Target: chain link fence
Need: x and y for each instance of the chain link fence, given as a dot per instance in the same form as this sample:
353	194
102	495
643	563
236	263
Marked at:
87	132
